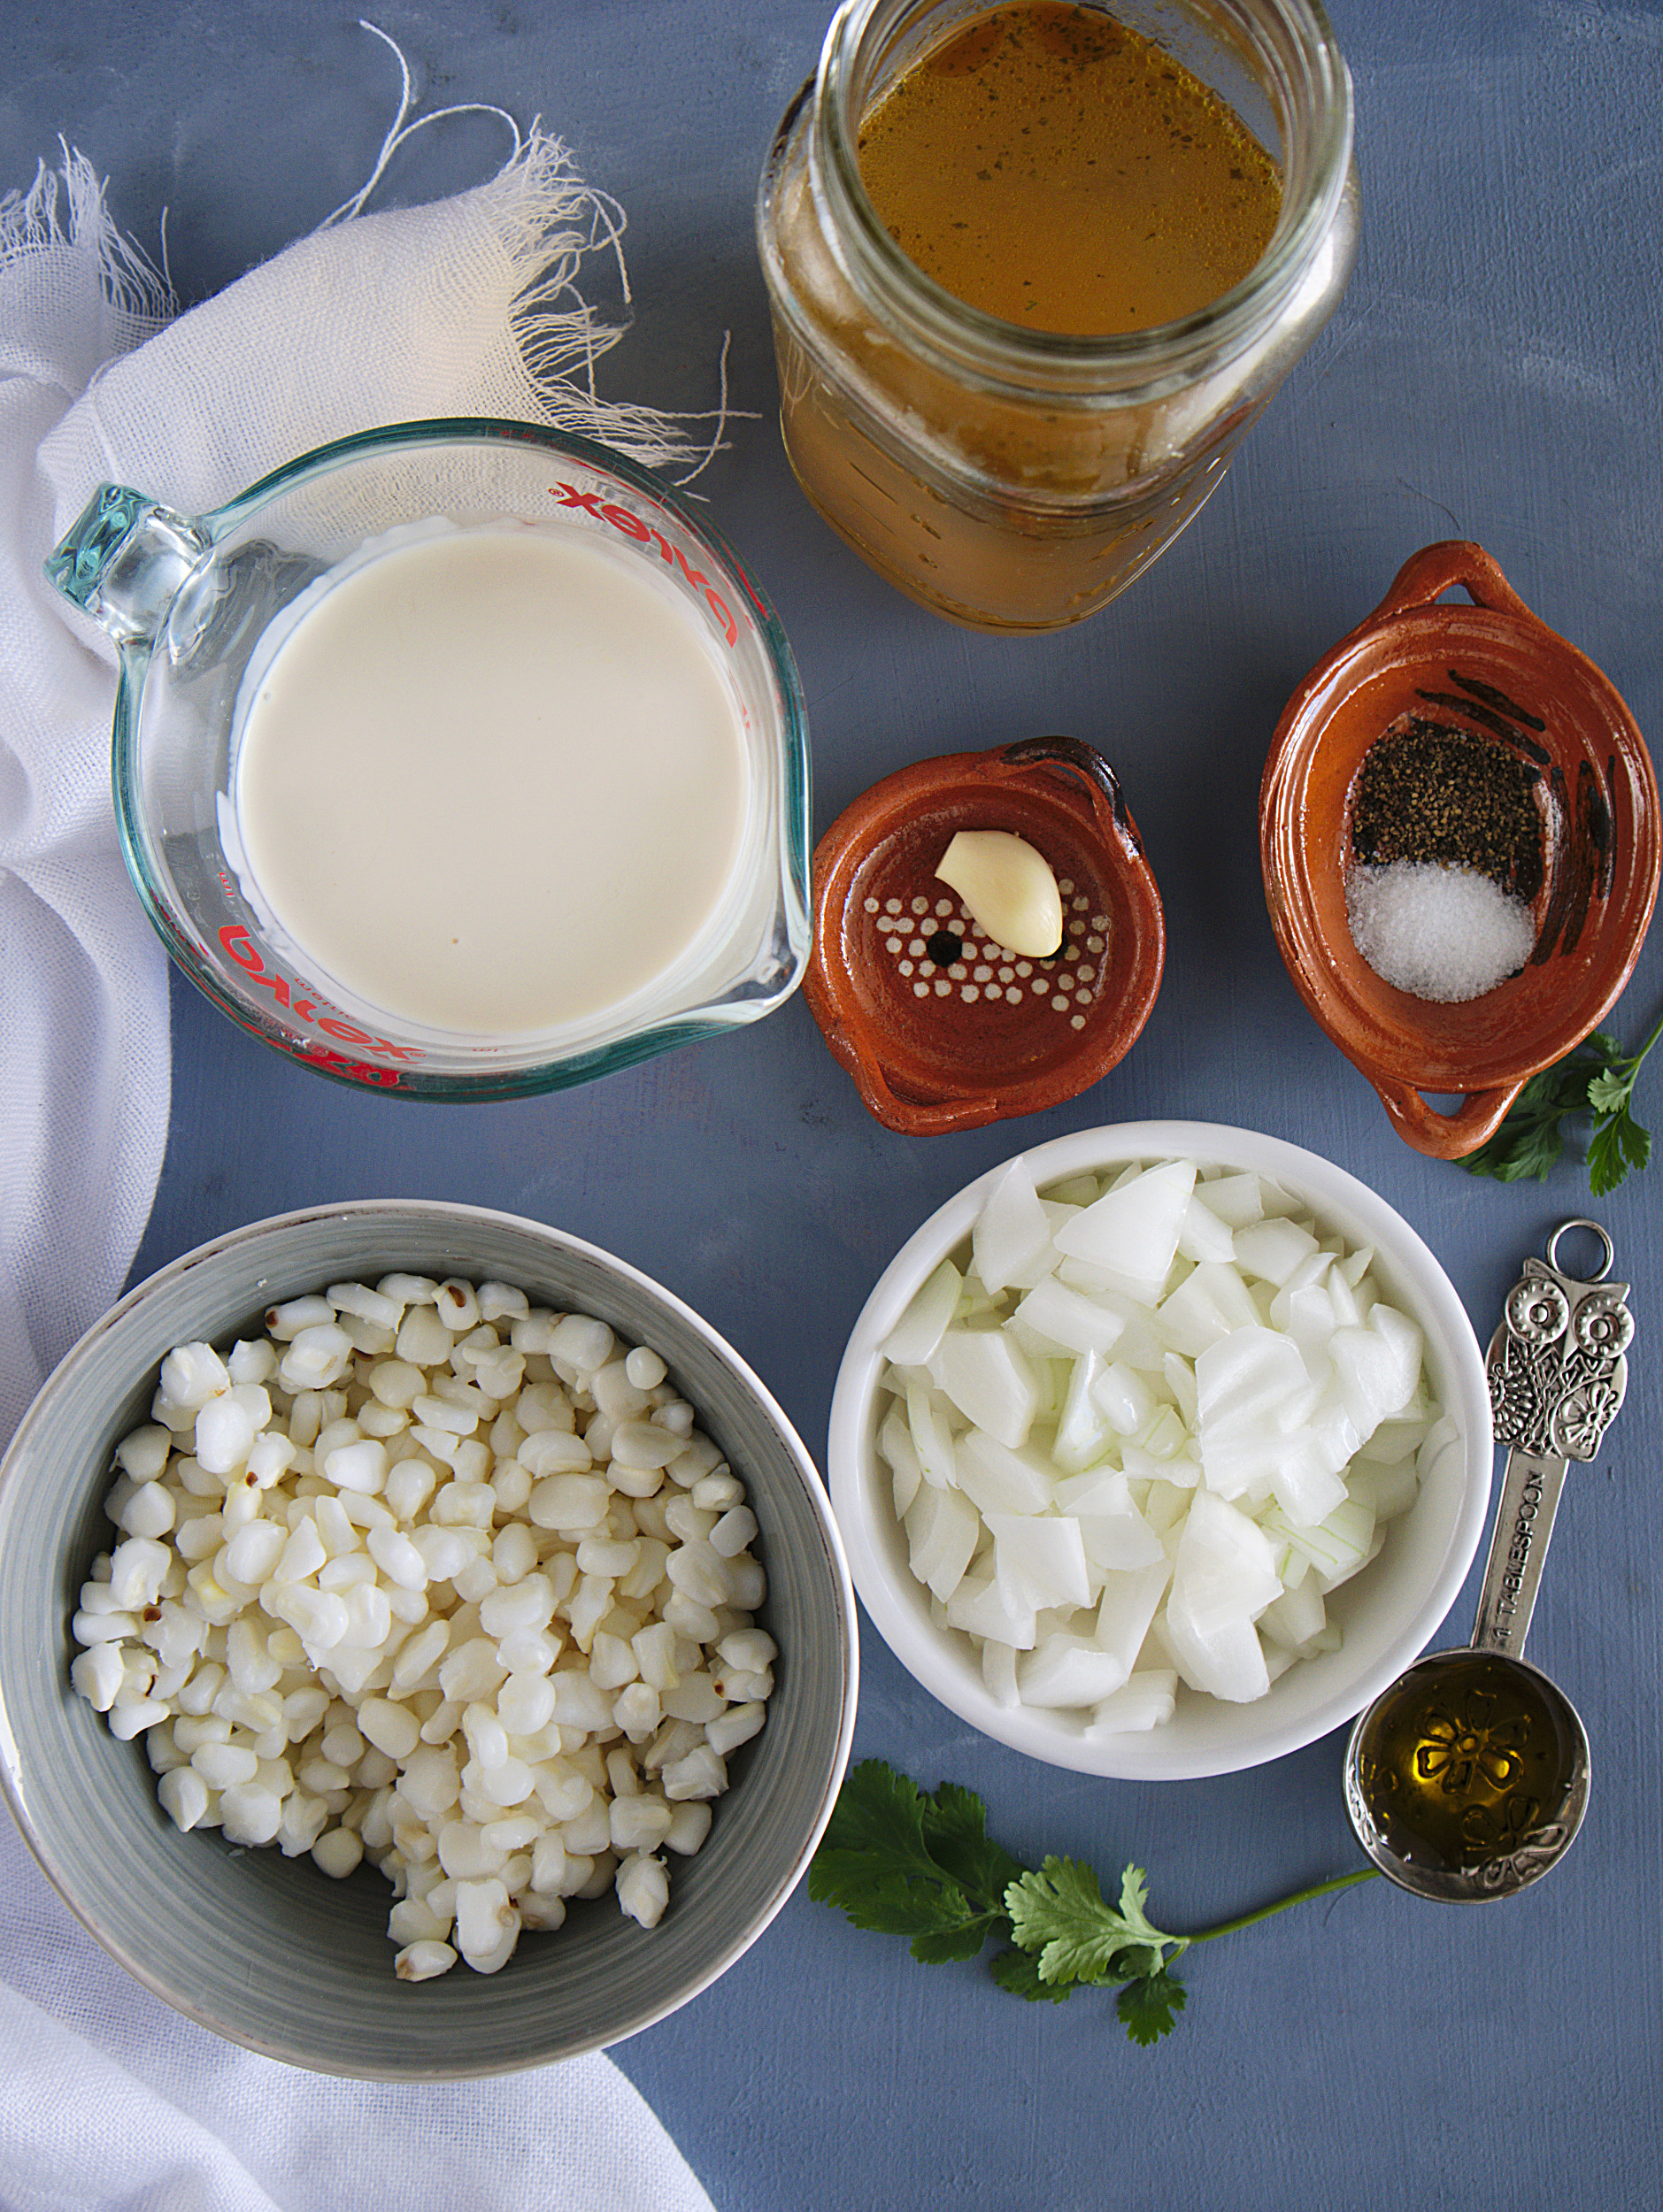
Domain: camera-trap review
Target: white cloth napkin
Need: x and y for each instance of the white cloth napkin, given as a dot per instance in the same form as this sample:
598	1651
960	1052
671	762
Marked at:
468	306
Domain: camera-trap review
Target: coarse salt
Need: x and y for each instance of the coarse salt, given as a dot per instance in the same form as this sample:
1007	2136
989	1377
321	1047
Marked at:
1441	932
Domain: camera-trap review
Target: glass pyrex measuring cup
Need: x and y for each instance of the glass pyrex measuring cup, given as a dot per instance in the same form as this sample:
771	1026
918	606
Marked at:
1467	1779
195	605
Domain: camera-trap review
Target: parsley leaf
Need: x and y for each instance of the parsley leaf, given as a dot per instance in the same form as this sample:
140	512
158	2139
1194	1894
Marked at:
1531	1136
1060	1912
901	1861
1019	1972
1594	1079
1150	2007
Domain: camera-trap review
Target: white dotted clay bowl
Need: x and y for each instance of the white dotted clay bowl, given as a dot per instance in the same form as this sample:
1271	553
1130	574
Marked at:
940	1028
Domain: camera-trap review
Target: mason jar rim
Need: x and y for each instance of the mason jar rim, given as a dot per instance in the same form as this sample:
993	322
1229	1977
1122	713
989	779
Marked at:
1300	61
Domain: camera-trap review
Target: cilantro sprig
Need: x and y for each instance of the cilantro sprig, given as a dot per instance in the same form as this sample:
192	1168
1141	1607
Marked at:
901	1861
1595	1079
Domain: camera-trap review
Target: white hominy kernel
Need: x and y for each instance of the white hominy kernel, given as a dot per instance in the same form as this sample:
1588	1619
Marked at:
580	1342
223	1764
614	1393
96	1673
696	1458
183	1796
643	1444
392	1729
360	1466
303	1708
338	1852
366	1305
144	1454
248	1661
644	1367
319	1617
714	1494
417	1664
487	1925
97	1597
286	1321
675	1415
410	1483
553	1451
570	1503
224	1433
251	1814
644	1889
747	1583
698	1573
734	1532
464	1853
303	1554
689	1824
374	1772
701	1774
458	1305
254	1551
423	1339
751	1649
136	1567
397	1558
525	1605
315	1359
420	1961
695	1698
736	1725
698	1623
191	1374
305	1419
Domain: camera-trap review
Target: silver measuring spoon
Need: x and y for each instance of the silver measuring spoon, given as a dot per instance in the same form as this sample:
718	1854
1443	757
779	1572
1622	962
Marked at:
1469	1777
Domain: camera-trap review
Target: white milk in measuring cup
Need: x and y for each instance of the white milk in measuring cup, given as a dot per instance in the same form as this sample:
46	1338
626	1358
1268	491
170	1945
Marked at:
490	780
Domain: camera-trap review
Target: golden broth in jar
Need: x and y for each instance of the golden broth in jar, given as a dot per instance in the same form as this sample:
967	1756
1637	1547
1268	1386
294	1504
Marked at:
1032	279
1050	166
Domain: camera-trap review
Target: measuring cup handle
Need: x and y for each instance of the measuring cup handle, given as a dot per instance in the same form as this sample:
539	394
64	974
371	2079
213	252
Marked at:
1446	1136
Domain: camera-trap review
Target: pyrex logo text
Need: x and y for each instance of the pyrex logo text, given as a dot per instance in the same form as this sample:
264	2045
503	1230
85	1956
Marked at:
632	526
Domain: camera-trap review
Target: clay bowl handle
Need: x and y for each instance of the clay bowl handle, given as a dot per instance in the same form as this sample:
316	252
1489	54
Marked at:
1446	1136
1085	777
1427	575
914	1115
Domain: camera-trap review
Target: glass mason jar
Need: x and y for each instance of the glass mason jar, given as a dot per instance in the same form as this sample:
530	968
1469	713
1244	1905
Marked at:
1014	478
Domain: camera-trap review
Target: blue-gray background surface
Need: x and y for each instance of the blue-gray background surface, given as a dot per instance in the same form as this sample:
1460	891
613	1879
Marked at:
1493	374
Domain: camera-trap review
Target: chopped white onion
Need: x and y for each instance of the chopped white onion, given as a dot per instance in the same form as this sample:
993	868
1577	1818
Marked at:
1140	1429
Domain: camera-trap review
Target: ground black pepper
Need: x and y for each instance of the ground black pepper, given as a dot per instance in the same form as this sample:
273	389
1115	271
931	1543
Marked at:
1428	792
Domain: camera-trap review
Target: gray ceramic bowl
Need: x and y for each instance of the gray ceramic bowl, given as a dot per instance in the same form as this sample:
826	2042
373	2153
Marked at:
269	1951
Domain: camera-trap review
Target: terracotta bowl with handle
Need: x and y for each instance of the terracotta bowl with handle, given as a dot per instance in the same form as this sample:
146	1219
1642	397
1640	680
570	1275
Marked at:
1490	670
941	1028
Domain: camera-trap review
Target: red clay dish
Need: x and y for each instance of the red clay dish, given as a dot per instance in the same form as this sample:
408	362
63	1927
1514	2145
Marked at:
1492	672
941	1029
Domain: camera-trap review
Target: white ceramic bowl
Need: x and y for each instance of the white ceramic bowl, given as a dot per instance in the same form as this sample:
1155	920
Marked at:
1388	1613
268	1950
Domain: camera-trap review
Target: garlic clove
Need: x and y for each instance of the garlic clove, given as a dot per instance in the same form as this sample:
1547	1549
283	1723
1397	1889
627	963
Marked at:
1009	889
